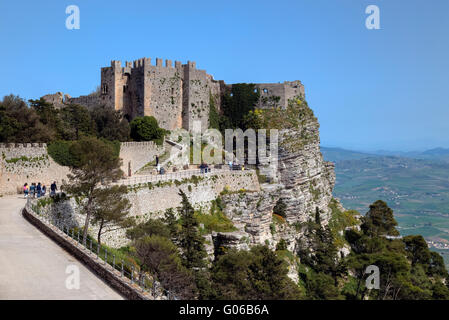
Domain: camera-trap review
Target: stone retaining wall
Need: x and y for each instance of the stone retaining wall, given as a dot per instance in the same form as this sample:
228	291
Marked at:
30	162
157	199
149	203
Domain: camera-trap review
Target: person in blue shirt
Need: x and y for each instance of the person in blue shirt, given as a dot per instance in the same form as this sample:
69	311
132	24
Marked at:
39	189
32	190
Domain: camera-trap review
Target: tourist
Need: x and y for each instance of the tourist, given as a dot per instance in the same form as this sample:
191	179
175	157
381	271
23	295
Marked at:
158	167
25	189
53	188
44	190
39	189
33	190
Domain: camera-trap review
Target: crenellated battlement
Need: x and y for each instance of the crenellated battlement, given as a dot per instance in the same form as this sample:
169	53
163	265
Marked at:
140	63
177	94
22	145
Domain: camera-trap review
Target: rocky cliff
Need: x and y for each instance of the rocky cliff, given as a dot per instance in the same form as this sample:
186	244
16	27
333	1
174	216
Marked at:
303	185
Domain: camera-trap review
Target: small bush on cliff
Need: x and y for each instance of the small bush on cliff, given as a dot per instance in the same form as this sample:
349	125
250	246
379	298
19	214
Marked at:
149	228
216	220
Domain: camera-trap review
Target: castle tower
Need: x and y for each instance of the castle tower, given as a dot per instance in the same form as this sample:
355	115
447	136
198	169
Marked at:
176	95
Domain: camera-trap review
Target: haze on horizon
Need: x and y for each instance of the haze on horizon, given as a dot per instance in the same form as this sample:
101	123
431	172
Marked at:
370	89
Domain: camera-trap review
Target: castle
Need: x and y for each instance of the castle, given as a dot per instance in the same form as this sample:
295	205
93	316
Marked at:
176	95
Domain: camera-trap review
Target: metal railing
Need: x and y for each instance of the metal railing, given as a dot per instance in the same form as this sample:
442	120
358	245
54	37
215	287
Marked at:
166	176
126	270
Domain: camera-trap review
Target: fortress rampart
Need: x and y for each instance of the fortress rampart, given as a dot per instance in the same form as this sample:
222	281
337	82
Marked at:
176	94
30	162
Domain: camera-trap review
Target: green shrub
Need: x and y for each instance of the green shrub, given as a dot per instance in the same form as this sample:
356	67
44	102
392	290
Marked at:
147	129
59	151
216	220
148	228
282	245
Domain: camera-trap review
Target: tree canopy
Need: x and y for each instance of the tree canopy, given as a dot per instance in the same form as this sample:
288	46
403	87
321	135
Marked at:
95	163
146	129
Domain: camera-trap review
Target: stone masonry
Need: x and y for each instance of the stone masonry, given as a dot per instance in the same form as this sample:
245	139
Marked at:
176	95
30	162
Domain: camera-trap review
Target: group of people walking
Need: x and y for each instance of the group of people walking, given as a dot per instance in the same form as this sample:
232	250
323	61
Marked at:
38	190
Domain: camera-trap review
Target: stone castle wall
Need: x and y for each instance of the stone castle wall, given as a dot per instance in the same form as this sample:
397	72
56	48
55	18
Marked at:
163	94
278	94
90	101
176	95
30	162
151	203
135	155
158	199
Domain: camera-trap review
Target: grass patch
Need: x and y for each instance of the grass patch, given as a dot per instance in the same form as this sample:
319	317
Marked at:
216	220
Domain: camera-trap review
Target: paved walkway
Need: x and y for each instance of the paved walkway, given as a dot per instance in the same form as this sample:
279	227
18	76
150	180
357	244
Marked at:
32	266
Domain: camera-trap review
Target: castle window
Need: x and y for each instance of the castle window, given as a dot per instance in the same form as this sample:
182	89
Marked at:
172	90
125	88
104	88
265	90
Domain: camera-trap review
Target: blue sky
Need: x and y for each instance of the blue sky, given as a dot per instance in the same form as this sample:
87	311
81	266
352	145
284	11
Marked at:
371	89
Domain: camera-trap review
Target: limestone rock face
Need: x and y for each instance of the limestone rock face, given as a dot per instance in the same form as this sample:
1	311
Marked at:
236	239
251	214
308	180
304	182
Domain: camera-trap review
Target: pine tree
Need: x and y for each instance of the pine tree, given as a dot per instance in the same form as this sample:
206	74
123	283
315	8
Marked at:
111	210
379	220
172	224
190	240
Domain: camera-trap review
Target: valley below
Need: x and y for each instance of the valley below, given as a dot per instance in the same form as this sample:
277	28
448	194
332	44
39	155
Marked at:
417	189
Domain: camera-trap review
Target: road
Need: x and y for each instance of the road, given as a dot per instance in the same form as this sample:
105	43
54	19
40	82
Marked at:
32	266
